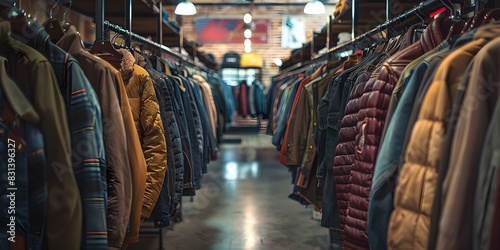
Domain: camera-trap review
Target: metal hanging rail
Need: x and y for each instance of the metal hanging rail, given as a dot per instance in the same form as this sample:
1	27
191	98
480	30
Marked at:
373	37
164	49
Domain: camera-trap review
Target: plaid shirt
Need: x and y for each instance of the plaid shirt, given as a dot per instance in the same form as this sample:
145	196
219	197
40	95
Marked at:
84	118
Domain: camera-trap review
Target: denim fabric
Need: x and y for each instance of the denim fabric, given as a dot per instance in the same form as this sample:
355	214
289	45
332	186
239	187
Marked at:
259	101
161	211
227	94
181	116
271	96
13	192
284	110
329	125
176	135
30	181
88	154
331	109
195	132
166	203
221	109
209	141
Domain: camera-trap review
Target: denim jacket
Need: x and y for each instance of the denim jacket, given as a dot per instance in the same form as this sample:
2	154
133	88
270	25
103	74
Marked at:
23	140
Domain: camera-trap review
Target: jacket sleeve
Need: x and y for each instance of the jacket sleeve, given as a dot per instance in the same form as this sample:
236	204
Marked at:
153	146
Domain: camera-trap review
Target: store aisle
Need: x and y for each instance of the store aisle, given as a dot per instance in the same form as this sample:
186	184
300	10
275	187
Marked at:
243	204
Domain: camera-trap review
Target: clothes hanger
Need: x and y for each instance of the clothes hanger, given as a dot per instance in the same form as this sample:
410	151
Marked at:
20	22
53	26
420	29
10	11
478	19
105	46
492	16
65	25
454	21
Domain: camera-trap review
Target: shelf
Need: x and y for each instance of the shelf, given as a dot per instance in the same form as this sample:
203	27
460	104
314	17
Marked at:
145	16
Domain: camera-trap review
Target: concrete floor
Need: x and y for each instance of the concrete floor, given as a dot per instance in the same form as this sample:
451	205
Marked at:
243	204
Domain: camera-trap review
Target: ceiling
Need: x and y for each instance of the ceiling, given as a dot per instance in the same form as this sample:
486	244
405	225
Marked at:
246	2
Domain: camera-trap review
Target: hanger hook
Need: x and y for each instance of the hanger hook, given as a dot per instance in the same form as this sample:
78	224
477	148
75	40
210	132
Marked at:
114	38
419	14
53	7
64	15
450	7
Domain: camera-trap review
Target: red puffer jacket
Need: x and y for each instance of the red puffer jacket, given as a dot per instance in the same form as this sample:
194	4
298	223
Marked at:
344	152
373	106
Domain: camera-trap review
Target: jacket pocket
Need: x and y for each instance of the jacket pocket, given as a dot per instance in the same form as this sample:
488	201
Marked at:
322	114
333	121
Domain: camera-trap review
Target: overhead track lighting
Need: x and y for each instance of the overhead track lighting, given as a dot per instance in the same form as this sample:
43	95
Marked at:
185	8
315	7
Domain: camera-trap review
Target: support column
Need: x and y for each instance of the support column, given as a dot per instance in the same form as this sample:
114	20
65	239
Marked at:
354	21
99	20
128	21
159	28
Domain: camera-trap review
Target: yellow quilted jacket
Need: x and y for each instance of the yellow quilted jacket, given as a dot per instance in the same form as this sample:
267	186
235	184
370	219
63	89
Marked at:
418	179
146	114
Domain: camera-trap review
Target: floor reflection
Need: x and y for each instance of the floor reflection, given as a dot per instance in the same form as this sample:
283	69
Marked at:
241	171
243	205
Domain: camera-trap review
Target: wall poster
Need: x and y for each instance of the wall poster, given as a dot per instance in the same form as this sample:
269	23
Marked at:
213	31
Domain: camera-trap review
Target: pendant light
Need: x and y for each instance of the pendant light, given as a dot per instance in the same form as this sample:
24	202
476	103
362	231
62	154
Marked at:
185	8
315	7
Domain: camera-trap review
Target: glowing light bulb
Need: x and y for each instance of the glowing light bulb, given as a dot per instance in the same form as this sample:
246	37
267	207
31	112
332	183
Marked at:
248	34
247	18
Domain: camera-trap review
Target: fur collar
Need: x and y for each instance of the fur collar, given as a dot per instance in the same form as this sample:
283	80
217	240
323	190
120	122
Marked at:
127	64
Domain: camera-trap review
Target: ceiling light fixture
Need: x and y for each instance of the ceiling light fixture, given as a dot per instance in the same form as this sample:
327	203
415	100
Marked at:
185	8
247	18
315	7
248	49
278	62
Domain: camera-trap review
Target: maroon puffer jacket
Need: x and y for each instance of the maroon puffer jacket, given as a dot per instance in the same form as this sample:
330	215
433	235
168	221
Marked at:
344	152
374	104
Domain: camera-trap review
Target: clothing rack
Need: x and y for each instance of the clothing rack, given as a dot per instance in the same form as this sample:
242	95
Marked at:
301	67
183	60
374	37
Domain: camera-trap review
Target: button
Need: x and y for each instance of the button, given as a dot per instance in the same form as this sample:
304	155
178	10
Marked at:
314	124
20	146
311	146
2	131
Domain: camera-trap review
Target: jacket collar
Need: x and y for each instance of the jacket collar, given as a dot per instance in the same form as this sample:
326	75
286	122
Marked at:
71	42
435	33
125	65
488	32
15	96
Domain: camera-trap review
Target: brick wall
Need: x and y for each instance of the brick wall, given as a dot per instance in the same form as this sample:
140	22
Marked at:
268	51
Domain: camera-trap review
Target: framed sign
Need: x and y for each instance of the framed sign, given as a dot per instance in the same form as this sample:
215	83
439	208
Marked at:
210	31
